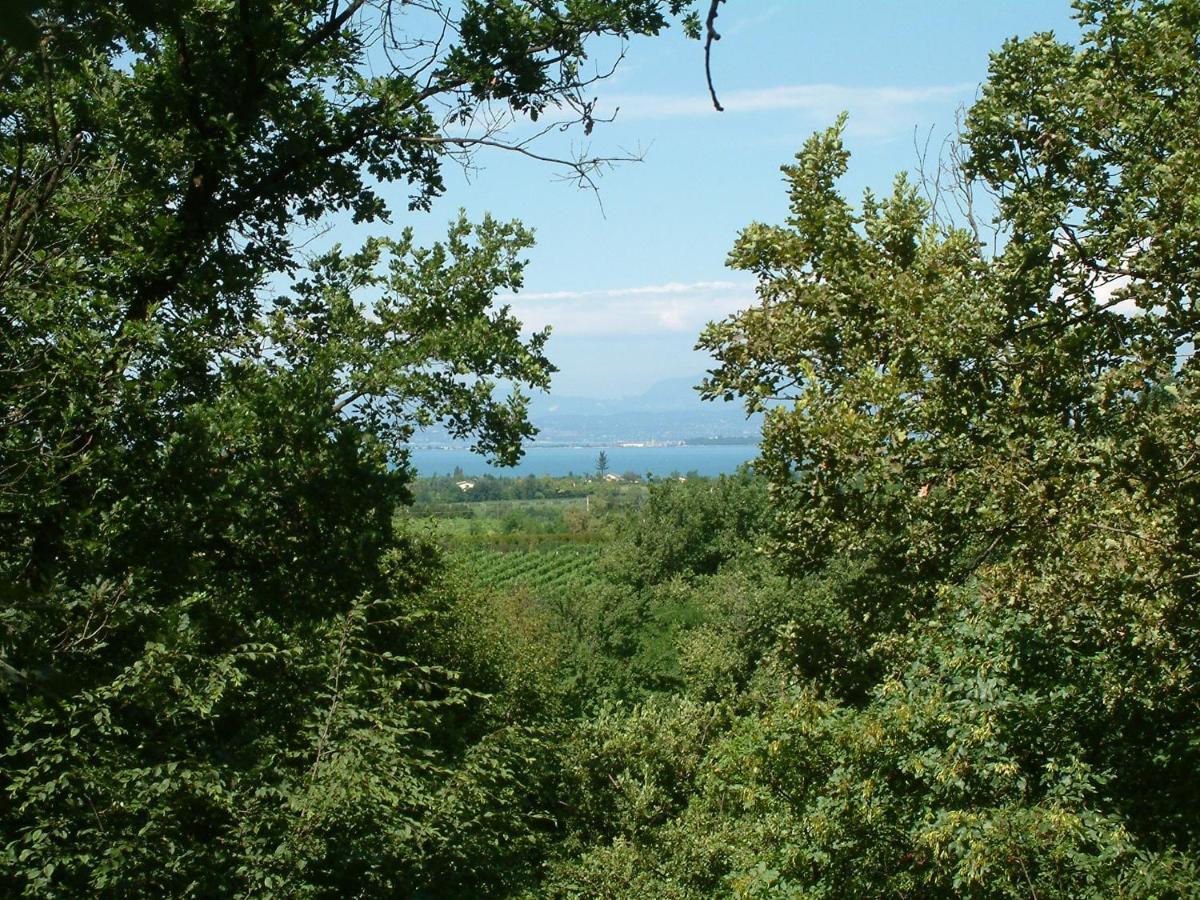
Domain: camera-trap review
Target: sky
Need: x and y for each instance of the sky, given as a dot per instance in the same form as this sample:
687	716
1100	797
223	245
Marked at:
628	279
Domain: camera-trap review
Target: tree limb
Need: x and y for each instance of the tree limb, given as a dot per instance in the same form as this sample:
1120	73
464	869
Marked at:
710	36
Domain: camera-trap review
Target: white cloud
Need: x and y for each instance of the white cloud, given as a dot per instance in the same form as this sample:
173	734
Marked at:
671	287
1104	288
873	110
1106	293
648	309
745	23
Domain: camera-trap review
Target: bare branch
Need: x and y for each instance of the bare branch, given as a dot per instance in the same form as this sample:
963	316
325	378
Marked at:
710	36
584	167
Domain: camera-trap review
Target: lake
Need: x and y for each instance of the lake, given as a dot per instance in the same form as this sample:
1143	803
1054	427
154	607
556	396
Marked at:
708	460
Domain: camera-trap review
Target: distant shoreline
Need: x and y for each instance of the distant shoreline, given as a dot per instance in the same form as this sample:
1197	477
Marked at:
580	459
605	445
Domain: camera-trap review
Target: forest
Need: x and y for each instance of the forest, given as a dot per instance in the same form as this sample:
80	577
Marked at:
941	639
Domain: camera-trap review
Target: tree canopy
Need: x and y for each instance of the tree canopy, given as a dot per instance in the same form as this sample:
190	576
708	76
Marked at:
990	451
222	670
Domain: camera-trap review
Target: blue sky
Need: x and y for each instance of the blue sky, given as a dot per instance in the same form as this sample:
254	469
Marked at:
628	289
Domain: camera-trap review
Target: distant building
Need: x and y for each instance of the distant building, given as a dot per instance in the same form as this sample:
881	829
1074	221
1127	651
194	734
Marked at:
611	477
465	485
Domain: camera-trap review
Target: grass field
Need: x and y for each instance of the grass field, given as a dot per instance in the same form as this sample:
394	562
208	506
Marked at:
554	572
504	516
548	546
536	518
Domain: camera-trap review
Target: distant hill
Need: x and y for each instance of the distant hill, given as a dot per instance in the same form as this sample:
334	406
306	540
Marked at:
669	410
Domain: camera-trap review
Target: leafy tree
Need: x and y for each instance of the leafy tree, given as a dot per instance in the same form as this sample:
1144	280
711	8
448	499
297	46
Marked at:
997	450
222	668
984	478
602	464
630	636
690	528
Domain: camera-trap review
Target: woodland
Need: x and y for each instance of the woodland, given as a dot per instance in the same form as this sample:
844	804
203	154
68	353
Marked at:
943	640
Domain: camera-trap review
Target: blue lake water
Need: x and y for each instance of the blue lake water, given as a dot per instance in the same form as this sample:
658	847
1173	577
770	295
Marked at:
705	460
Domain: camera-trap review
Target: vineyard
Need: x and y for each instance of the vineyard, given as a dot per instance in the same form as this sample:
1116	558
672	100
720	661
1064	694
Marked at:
555	572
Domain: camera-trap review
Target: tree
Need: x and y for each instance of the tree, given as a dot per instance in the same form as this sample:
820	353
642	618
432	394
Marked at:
224	671
690	529
601	464
988	458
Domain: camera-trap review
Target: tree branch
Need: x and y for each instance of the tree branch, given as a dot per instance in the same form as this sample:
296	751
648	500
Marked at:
331	27
710	36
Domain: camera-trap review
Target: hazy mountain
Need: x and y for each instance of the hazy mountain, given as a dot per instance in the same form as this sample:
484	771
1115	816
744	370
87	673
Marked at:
669	395
669	410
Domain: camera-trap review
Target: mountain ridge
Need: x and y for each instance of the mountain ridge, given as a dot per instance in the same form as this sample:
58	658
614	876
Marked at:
669	410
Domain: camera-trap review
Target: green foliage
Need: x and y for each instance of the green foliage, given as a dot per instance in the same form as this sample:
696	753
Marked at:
690	528
224	671
301	751
646	590
531	512
650	753
961	776
975	671
944	645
